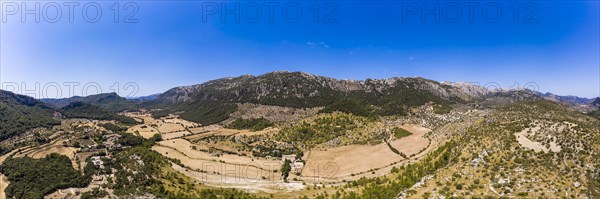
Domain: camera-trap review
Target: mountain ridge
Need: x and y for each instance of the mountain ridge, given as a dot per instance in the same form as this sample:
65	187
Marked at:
342	85
391	96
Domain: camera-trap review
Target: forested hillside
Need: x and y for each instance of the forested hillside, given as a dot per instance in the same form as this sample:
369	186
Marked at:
89	111
18	113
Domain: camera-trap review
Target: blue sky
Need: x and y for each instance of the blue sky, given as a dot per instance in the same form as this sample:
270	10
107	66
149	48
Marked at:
554	44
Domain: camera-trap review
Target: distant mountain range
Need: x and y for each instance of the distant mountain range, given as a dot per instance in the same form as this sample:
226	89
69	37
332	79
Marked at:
109	101
213	101
567	100
144	98
596	102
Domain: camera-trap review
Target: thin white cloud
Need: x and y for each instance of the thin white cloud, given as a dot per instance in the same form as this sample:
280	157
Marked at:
317	44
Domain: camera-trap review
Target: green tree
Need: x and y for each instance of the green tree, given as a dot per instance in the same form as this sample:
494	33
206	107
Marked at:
285	169
156	137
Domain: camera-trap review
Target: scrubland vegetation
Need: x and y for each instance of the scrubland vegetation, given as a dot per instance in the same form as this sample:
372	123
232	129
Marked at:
323	128
254	124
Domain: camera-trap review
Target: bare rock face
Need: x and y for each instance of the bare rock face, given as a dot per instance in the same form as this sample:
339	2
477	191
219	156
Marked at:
467	91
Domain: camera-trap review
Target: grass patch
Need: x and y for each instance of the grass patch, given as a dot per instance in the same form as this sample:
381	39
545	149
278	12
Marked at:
400	132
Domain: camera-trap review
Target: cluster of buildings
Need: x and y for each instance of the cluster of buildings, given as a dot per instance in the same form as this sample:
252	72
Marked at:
97	160
112	141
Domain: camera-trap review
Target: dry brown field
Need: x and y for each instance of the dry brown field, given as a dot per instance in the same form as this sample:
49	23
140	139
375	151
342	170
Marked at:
346	161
